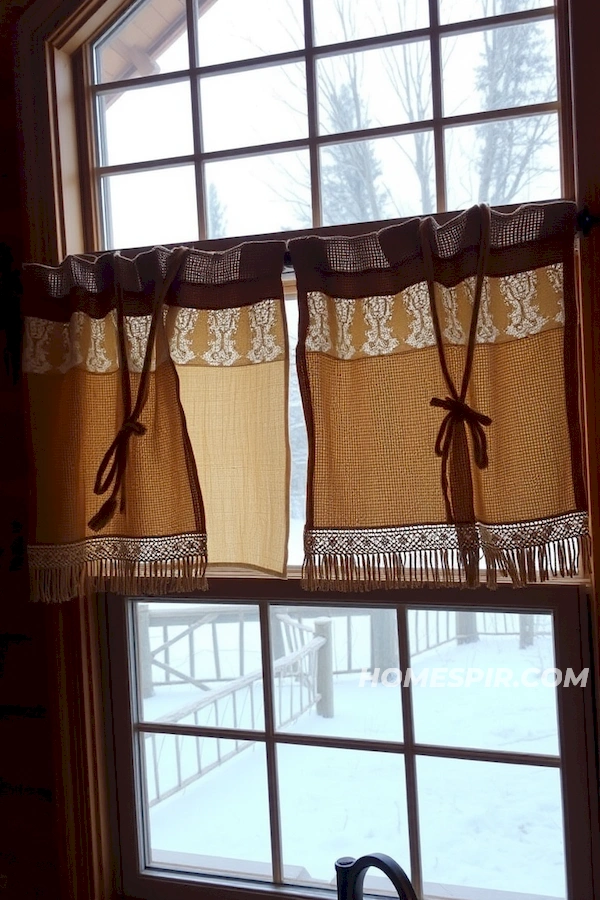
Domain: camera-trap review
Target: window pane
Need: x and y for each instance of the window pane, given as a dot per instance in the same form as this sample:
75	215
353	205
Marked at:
298	446
145	123
237	29
147	208
200	664
348	20
207	805
322	665
499	68
480	680
260	194
346	803
147	42
232	117
508	161
378	87
461	10
363	181
490	826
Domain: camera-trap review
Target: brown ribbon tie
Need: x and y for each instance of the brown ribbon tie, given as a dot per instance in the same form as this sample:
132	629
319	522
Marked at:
111	472
459	411
116	458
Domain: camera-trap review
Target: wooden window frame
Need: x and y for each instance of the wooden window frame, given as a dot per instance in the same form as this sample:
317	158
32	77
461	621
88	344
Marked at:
48	50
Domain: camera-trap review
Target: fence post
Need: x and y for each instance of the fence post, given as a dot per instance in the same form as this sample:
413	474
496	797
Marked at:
525	631
466	627
145	654
384	640
323	628
277	637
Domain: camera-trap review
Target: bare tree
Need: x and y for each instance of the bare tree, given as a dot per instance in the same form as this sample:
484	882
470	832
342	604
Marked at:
409	71
514	71
350	171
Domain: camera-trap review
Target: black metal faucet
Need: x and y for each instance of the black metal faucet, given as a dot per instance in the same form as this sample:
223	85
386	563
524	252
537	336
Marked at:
351	875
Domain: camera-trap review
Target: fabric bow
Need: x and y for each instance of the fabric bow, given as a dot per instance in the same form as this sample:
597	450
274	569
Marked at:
116	458
458	411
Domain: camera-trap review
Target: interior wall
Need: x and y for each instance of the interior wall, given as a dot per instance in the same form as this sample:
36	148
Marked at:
27	847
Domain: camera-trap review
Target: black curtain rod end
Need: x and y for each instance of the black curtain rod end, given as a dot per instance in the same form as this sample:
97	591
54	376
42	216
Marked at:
586	221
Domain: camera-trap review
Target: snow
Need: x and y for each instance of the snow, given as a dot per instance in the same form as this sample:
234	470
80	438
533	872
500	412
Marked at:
482	824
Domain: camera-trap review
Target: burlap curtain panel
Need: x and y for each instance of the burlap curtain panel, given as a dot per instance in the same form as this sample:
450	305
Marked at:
439	375
157	411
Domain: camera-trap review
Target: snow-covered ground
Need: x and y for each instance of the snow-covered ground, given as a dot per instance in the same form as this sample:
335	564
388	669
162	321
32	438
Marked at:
482	824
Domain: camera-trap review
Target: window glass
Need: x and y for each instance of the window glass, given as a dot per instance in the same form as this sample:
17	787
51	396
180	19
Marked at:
151	207
277	117
129	119
383	178
227	778
336	646
395	88
365	708
346	800
483	680
258	194
259	86
348	20
499	68
236	29
464	10
151	39
189	655
511	160
500	827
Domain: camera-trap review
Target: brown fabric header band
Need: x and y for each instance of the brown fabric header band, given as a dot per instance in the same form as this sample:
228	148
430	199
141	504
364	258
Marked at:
241	276
390	260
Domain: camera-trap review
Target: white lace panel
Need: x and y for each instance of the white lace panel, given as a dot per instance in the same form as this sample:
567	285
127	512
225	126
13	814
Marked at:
378	313
240	336
181	343
524	313
222	324
511	308
264	342
319	336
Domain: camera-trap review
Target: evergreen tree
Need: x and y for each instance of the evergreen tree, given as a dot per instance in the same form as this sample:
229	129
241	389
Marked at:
216	219
514	71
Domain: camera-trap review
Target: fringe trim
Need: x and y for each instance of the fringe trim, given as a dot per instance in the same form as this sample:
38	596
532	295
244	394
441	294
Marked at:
357	572
56	584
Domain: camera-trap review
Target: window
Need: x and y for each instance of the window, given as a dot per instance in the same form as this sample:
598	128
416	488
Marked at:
60	222
271	736
367	112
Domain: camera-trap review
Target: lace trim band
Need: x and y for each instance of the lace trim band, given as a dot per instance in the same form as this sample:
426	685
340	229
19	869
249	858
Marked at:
364	559
125	565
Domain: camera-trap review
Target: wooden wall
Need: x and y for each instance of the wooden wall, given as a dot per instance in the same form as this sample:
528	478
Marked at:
27	834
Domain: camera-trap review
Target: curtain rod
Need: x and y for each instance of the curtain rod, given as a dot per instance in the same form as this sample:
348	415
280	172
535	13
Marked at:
585	222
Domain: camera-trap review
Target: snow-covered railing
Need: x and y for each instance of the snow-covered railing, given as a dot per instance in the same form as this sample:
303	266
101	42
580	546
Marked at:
236	704
429	629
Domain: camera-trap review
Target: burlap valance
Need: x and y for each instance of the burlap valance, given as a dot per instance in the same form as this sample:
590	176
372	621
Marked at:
439	376
157	400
